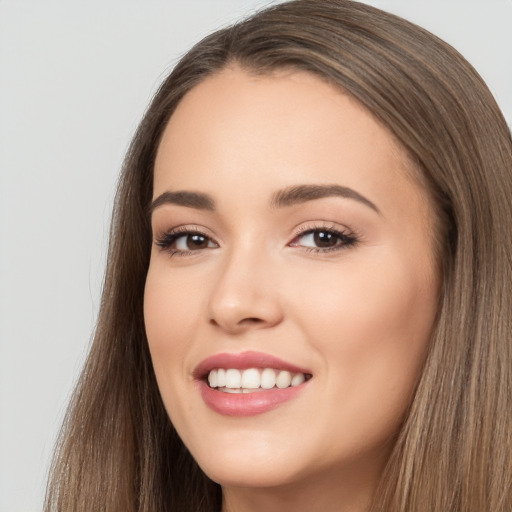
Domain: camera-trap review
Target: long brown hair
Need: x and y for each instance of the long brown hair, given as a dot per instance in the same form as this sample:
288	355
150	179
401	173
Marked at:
118	450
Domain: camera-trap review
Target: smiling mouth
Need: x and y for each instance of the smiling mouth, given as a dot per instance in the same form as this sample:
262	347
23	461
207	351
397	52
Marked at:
249	383
251	380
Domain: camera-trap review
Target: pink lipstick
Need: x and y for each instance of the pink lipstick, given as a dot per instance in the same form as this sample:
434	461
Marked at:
248	383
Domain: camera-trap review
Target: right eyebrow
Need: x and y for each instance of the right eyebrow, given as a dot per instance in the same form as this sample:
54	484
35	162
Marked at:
185	198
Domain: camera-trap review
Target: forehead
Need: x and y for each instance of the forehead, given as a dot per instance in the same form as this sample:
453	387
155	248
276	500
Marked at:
288	114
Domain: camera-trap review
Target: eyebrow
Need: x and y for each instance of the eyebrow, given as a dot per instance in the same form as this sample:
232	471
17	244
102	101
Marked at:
303	193
185	198
286	197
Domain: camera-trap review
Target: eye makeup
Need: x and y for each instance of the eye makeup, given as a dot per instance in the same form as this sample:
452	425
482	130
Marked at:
189	240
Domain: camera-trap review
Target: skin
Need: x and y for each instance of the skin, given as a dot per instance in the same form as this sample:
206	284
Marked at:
358	317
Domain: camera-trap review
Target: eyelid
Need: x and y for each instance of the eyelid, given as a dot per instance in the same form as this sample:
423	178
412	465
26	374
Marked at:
319	225
183	229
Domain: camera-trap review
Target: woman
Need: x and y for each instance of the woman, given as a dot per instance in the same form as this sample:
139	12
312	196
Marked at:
307	297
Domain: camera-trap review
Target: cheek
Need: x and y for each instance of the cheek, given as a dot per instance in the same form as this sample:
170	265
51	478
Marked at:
169	317
365	303
371	330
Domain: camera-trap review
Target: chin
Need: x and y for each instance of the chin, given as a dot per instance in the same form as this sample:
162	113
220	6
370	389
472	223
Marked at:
250	466
252	475
248	477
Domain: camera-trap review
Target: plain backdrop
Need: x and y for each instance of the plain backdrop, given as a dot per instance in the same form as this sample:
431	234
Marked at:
75	78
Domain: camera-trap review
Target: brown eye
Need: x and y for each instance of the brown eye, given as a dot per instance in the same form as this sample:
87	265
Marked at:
191	242
196	241
325	239
183	243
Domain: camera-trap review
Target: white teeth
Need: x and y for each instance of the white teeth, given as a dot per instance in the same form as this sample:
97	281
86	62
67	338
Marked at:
212	379
268	378
233	378
251	379
246	381
284	379
221	378
297	379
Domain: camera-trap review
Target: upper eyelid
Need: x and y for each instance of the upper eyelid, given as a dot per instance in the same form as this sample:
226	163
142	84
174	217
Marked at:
179	231
311	226
183	229
306	230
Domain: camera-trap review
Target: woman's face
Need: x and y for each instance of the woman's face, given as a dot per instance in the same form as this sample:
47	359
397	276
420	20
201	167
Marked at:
290	243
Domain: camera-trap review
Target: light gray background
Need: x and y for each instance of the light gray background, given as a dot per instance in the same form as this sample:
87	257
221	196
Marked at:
75	78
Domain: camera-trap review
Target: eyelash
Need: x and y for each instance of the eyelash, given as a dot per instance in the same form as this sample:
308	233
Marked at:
166	240
345	240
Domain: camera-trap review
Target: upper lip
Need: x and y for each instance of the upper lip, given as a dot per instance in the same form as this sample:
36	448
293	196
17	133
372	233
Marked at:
242	361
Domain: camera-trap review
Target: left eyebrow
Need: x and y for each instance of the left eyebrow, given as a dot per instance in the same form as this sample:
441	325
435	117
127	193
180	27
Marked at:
302	193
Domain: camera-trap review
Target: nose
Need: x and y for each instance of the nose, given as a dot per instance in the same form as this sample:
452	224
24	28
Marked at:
245	295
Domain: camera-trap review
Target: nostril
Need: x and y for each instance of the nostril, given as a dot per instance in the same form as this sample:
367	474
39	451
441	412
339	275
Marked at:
244	321
251	321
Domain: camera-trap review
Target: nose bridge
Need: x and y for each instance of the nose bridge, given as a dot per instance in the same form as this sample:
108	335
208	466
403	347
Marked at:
243	296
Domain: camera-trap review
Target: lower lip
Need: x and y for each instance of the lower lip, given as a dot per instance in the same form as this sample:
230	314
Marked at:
247	404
